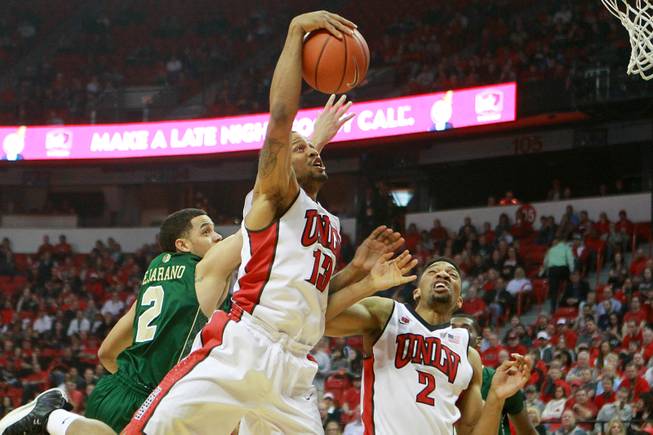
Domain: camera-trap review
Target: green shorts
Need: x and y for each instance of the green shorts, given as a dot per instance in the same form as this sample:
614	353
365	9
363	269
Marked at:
114	401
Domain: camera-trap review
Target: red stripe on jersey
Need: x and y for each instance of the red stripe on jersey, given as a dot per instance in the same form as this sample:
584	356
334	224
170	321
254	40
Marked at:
216	327
263	247
368	395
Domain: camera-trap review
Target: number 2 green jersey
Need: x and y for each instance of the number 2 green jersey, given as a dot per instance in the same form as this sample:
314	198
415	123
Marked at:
167	318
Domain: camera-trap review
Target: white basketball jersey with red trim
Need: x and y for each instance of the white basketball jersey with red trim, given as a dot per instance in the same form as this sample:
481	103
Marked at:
286	268
414	377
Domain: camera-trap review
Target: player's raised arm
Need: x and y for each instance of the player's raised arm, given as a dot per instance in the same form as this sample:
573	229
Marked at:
367	318
385	274
213	271
478	418
276	185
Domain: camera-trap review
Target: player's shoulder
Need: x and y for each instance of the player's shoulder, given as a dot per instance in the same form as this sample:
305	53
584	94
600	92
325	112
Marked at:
379	307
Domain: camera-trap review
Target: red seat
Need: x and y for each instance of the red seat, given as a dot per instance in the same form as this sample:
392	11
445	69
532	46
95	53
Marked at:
540	290
566	313
20	280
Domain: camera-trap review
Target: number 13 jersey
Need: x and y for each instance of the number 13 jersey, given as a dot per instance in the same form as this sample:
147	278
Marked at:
286	268
414	377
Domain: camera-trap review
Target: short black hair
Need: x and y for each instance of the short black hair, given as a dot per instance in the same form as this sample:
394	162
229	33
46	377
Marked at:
446	260
464	315
175	226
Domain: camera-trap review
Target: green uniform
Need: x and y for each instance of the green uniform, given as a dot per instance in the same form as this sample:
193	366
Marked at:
167	319
513	404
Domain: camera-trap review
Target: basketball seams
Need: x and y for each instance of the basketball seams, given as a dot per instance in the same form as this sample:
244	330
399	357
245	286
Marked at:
344	64
319	57
366	53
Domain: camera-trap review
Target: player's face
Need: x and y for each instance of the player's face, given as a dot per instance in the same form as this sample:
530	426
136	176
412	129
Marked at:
440	286
202	235
468	324
306	161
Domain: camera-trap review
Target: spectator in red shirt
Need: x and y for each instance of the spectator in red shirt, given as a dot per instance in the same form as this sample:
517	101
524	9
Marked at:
489	233
583	408
412	238
45	246
490	356
624	223
438	232
351	396
634	383
475	305
509	199
75	397
632	334
62	248
638	264
608	395
637	313
603	224
513	345
647	343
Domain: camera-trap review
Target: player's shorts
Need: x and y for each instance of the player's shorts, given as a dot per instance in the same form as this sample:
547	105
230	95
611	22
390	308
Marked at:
241	369
113	401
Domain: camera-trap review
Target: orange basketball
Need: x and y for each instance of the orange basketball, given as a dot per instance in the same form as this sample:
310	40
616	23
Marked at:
332	65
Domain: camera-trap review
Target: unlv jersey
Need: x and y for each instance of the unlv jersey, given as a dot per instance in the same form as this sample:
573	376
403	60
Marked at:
286	268
414	377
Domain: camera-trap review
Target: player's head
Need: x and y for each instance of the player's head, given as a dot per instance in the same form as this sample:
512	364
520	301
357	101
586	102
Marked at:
307	163
188	230
438	288
461	319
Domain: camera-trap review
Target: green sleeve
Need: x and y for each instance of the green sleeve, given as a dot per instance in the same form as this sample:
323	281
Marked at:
514	404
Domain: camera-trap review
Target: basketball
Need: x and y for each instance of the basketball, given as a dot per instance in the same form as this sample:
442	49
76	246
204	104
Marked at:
332	65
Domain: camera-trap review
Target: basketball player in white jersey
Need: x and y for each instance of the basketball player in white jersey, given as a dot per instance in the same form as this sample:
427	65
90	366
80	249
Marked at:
421	375
253	363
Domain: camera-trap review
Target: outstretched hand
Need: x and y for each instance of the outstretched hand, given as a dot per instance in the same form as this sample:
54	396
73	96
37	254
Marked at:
511	376
330	120
383	240
333	23
388	272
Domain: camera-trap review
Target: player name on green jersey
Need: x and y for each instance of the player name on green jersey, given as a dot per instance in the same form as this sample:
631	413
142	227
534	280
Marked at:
164	273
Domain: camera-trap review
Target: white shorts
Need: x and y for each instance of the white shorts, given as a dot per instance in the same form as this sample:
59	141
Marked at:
240	369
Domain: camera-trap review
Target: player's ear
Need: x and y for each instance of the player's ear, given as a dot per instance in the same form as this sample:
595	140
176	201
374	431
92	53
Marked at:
459	302
182	245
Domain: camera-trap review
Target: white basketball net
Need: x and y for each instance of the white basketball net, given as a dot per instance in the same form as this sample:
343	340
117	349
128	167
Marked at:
637	17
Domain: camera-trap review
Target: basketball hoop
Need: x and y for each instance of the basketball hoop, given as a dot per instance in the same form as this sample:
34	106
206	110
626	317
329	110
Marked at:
638	20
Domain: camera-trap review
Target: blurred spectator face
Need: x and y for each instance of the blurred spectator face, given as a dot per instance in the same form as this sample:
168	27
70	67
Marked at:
324	410
583	358
503	356
586	375
554	373
568	420
648	274
559	392
623	395
638	359
607	383
647	336
631	328
333	428
631	372
534	416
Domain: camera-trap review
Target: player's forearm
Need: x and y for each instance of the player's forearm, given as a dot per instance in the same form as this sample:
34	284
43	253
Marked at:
347	276
287	79
490	417
348	296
